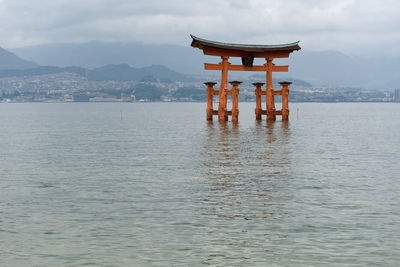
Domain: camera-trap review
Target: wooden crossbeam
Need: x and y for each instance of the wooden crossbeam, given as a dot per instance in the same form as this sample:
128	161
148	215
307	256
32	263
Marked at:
275	92
276	112
209	66
228	112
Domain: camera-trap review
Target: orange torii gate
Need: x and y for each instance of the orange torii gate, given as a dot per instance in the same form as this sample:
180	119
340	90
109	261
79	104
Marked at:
247	53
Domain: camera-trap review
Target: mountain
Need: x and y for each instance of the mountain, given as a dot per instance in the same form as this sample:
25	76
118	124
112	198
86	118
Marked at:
121	72
333	68
297	82
42	70
324	68
9	60
184	59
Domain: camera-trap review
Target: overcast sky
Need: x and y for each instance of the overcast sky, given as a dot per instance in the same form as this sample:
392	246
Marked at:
355	27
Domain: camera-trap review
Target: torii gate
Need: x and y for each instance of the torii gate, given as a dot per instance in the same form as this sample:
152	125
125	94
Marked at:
247	53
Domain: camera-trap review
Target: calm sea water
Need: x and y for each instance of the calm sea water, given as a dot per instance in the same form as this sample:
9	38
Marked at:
162	187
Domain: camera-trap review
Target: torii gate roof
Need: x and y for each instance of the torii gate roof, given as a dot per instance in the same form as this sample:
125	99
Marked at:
213	47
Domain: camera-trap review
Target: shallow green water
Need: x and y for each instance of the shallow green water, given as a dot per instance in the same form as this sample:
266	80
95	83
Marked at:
162	187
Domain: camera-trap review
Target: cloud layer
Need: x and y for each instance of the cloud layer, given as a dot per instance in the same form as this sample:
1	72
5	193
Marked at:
351	26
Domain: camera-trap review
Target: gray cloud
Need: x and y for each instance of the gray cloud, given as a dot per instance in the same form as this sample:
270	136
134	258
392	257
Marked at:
351	26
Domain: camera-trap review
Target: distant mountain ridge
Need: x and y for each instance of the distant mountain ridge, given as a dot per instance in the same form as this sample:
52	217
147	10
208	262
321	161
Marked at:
9	60
41	70
121	72
333	68
97	54
13	66
325	68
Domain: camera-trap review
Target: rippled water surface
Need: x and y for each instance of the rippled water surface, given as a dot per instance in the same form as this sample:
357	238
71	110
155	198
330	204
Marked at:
162	187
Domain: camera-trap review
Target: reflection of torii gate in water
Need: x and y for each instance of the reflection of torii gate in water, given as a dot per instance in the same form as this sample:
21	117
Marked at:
247	53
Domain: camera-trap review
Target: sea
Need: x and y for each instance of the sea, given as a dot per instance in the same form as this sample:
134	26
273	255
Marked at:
155	184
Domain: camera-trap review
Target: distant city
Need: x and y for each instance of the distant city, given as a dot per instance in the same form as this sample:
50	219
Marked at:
72	87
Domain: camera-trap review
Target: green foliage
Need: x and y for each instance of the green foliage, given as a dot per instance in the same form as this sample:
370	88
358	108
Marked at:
123	72
148	78
146	91
195	94
116	93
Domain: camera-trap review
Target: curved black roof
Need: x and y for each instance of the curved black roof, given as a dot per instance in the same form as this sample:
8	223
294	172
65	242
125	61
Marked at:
248	48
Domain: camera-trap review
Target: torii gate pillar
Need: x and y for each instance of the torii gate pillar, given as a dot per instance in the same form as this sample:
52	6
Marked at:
223	99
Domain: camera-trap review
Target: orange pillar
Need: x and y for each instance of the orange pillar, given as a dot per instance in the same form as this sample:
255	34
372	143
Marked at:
235	100
210	94
258	99
270	88
222	113
285	100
